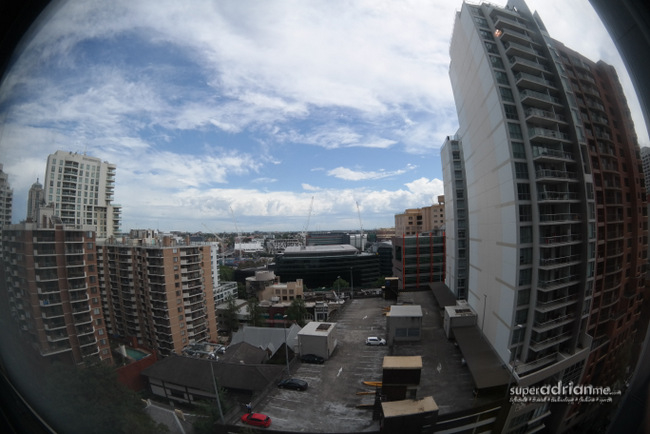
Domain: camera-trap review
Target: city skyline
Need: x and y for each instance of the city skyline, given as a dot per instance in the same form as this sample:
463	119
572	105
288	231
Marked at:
230	112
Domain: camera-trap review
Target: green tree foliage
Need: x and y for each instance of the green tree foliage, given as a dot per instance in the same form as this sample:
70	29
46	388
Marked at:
230	315
380	282
226	274
255	312
209	419
340	284
297	311
90	400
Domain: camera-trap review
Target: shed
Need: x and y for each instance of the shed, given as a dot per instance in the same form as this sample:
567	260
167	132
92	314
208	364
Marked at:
404	323
317	338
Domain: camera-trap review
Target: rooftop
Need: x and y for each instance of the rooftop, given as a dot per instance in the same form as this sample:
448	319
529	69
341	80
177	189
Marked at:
335	249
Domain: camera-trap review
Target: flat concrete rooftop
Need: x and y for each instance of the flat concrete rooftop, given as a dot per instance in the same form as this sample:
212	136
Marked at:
335	400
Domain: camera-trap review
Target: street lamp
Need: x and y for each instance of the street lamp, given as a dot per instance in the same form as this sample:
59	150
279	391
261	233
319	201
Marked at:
286	349
351	283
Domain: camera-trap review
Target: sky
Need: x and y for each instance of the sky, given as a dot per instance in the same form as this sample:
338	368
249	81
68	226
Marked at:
241	115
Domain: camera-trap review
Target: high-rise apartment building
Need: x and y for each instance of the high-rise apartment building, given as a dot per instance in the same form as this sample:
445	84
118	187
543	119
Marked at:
81	189
53	291
158	291
420	220
34	201
645	161
6	199
6	202
456	228
556	208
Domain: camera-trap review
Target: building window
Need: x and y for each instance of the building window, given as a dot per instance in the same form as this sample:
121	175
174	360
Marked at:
525	276
523	191
526	234
521	170
515	131
518	150
511	111
506	94
502	77
496	62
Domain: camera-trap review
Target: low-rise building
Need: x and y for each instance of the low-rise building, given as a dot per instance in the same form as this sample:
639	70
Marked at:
317	338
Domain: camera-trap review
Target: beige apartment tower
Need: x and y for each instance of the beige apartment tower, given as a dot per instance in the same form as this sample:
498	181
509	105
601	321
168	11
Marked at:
159	292
421	220
53	291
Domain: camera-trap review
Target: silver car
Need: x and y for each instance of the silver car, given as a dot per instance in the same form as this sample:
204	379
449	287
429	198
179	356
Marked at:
373	340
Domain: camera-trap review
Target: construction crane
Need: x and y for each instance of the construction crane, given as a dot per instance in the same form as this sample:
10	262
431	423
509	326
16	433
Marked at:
238	238
219	241
361	226
304	232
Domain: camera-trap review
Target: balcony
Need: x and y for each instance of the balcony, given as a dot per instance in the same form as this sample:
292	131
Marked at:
544	117
548	136
501	22
550	174
533	82
546	325
559	261
56	337
551	305
50	302
512	35
562	196
558	240
595	105
538	346
539	99
520	64
541	153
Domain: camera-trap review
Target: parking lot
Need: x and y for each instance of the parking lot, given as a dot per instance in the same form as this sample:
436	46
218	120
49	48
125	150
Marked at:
331	404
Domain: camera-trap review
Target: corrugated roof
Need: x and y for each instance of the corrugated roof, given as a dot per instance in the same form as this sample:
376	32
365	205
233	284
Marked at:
196	373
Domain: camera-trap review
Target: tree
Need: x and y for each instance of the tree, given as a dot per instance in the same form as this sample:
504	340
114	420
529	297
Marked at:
255	313
380	282
297	311
210	418
340	284
91	400
226	274
230	315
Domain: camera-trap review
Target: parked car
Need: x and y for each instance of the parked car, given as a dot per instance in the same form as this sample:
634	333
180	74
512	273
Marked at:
256	419
293	383
312	358
373	340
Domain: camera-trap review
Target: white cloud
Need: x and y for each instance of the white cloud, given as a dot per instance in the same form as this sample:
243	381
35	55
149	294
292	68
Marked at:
356	175
345	77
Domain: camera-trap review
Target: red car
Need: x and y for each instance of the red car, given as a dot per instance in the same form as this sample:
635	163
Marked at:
256	419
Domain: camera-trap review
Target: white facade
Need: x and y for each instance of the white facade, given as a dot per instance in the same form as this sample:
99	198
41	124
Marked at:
81	189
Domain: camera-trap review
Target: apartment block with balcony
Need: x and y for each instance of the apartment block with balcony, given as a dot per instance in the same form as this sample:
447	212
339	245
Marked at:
53	289
556	210
420	220
159	293
82	188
